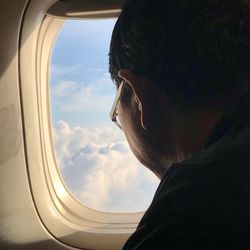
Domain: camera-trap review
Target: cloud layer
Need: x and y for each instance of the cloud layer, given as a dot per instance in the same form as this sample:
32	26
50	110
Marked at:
100	170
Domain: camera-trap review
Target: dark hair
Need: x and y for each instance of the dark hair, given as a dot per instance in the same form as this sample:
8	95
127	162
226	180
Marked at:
196	50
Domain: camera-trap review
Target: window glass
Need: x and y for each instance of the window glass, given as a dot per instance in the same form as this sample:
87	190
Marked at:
92	153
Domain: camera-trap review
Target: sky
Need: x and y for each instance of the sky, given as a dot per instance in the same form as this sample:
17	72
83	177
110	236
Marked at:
92	153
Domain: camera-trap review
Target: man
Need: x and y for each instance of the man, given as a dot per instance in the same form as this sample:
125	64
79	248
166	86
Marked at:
182	71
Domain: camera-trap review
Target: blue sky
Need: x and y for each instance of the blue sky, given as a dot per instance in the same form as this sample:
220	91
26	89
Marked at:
80	60
92	153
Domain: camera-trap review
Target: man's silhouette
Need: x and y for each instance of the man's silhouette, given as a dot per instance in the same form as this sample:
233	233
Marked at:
182	69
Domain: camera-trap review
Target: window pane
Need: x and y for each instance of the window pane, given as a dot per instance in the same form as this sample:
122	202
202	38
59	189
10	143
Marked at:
92	153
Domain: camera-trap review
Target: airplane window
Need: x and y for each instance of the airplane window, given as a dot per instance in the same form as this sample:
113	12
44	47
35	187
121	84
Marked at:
92	154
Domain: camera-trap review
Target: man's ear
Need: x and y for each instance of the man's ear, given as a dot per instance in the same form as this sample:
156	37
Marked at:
140	86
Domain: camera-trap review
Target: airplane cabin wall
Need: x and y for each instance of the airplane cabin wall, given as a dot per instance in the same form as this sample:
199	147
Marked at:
20	226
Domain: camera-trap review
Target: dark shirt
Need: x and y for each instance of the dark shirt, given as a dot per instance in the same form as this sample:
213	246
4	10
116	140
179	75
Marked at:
204	202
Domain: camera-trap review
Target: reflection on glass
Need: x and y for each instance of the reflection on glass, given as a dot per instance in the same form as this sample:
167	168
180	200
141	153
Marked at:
92	153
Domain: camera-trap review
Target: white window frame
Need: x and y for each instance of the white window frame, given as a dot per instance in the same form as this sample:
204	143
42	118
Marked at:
62	215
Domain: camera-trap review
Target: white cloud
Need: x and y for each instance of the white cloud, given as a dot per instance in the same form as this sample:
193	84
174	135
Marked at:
100	170
65	88
93	96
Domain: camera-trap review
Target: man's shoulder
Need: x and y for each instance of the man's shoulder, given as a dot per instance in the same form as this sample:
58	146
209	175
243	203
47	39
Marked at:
192	210
204	202
208	182
205	199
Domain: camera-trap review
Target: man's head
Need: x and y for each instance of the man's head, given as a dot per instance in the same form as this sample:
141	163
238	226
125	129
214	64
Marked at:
177	57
